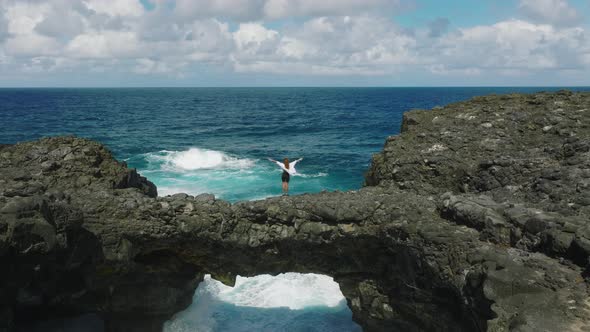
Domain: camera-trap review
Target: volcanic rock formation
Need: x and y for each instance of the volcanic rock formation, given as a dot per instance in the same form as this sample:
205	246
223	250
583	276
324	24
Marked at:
475	218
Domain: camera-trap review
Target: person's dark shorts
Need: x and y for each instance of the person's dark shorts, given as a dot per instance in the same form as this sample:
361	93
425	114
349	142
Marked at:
285	177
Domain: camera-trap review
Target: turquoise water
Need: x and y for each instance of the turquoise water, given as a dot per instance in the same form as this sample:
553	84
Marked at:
216	140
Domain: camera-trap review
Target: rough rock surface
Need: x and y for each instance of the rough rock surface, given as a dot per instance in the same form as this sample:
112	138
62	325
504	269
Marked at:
475	218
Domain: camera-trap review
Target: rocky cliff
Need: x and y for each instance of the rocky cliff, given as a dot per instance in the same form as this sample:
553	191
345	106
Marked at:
475	218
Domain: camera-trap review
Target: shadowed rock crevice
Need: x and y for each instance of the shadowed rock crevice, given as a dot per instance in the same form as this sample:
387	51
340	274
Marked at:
475	219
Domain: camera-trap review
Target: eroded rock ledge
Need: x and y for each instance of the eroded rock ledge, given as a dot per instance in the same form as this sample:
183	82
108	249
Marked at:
475	218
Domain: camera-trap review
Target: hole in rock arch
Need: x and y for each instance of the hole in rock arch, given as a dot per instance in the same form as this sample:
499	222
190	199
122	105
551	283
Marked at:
286	302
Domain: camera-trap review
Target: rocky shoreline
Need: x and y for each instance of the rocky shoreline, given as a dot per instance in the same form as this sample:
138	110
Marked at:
474	218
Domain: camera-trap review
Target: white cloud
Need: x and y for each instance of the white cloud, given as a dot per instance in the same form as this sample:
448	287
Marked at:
241	10
361	45
301	68
254	39
149	66
24	16
3	25
275	9
31	45
209	36
205	41
293	48
105	44
253	10
442	69
62	23
160	26
512	45
116	7
4	59
556	12
44	64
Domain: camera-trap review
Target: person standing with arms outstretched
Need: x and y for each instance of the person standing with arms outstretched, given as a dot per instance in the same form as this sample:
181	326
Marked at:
288	170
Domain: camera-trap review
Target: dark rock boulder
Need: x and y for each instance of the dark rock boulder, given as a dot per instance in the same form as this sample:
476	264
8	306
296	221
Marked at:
516	163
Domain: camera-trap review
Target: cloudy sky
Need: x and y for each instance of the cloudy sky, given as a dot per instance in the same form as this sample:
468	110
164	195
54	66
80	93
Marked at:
294	42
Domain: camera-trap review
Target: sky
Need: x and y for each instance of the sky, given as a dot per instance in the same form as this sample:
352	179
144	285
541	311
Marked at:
137	43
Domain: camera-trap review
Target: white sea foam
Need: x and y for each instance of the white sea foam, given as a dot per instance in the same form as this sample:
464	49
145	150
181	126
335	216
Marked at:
316	175
285	302
197	159
292	290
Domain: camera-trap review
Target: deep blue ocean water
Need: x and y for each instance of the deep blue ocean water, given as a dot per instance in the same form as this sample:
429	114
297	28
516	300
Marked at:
216	140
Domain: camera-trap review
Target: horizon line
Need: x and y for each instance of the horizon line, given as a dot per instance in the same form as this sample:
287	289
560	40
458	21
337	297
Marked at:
294	86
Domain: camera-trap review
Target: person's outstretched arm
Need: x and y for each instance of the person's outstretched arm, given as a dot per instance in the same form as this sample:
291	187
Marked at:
276	162
280	164
296	161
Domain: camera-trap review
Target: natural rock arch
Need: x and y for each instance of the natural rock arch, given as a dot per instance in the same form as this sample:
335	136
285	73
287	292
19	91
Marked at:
144	277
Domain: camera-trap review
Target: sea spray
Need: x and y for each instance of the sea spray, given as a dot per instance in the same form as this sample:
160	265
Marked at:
196	159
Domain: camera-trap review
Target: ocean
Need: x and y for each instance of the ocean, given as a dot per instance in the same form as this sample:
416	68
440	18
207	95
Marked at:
216	140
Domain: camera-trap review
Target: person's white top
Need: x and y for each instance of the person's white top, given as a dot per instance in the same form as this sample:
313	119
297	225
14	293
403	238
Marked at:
291	170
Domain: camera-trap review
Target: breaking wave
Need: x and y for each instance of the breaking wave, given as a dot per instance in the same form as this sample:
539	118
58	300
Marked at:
196	159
